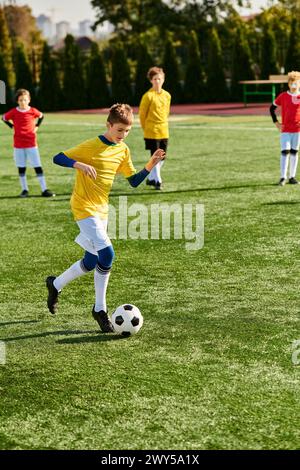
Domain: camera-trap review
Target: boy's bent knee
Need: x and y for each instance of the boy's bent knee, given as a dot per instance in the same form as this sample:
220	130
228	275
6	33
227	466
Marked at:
89	261
106	257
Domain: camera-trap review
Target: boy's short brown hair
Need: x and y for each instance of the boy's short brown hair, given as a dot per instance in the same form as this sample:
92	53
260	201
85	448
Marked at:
21	92
120	113
154	71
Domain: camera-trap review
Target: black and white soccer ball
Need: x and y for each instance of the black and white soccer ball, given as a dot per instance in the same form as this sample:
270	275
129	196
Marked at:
127	320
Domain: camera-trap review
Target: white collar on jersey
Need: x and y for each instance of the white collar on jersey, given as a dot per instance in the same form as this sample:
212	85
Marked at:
23	110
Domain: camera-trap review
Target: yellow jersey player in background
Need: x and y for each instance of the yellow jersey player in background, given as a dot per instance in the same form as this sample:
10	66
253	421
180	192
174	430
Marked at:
154	111
97	161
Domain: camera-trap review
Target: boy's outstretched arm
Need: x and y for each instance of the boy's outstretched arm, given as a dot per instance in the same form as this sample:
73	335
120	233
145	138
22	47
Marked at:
8	123
138	178
62	160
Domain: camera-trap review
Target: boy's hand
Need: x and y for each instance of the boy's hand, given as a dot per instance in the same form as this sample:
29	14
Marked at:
88	170
278	125
158	156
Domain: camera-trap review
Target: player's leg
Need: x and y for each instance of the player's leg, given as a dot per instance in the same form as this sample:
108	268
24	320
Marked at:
285	143
20	161
162	144
101	278
56	284
294	157
150	144
34	158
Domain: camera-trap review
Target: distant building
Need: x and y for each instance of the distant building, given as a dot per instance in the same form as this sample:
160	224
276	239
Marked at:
85	28
62	29
46	26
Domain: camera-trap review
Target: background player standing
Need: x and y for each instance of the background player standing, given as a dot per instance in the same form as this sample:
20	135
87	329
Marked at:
154	111
25	120
289	127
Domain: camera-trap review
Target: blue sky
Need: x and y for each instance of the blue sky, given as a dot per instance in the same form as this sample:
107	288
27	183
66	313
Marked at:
75	11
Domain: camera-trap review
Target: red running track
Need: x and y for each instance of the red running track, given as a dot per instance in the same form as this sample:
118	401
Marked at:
213	109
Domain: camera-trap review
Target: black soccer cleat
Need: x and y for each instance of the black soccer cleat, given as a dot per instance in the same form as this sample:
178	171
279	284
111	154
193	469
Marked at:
24	193
158	185
150	182
293	180
53	294
281	182
103	321
48	193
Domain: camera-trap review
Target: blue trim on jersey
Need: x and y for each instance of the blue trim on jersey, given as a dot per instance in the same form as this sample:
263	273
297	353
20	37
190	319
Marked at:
105	140
136	179
62	160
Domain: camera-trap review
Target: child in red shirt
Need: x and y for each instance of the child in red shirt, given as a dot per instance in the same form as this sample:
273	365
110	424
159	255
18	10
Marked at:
289	127
23	120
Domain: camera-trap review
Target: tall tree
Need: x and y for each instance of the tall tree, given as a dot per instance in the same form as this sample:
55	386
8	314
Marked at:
268	53
6	51
22	25
74	91
171	69
97	89
292	61
49	91
22	69
242	66
120	80
216	81
194	88
144	62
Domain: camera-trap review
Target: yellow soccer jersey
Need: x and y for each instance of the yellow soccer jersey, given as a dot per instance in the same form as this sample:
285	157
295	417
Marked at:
154	111
90	197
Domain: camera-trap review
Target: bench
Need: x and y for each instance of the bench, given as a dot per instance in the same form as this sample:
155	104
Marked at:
273	81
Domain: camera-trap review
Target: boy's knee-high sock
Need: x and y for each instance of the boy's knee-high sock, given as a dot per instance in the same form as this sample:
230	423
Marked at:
284	160
155	173
76	270
42	181
23	182
293	165
101	277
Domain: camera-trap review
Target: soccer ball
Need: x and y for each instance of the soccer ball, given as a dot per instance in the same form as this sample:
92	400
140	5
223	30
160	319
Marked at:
127	320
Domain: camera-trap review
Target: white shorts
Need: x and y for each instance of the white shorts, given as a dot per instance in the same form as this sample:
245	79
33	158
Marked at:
290	140
93	234
31	153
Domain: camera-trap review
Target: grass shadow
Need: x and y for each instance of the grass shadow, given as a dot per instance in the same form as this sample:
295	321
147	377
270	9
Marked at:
280	203
48	333
23	322
92	339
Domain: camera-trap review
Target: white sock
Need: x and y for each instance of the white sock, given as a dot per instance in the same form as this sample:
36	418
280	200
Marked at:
76	270
101	282
155	173
284	160
42	182
23	181
293	165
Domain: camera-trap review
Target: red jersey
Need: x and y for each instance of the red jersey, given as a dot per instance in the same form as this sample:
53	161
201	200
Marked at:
290	111
24	126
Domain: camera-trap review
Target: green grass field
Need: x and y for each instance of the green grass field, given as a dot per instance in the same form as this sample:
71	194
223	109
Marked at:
212	367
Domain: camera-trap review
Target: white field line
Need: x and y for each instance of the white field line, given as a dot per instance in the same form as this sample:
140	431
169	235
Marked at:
200	127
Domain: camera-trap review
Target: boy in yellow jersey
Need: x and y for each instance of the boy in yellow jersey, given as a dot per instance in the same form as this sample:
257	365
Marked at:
154	111
97	161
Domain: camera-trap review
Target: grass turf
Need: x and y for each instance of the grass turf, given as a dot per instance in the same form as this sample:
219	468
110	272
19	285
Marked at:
212	367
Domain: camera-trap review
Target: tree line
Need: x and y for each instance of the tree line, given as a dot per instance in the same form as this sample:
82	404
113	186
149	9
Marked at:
205	53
